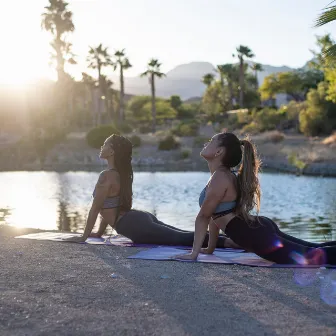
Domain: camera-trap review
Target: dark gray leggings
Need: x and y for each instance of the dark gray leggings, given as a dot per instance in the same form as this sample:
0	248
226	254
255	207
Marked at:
144	228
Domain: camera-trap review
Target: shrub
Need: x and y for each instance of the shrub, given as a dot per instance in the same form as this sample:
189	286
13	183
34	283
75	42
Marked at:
268	119
96	136
186	128
135	140
296	162
169	143
185	153
252	128
125	128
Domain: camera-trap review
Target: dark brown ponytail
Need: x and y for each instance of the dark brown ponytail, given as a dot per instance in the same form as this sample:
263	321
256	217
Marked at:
249	186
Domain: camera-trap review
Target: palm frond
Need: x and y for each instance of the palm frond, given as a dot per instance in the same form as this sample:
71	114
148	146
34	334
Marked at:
327	16
145	74
330	53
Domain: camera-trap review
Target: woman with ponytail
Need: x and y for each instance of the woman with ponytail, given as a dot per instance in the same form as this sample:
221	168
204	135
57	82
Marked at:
112	199
227	201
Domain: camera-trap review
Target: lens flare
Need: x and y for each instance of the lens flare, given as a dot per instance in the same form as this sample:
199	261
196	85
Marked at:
307	276
328	289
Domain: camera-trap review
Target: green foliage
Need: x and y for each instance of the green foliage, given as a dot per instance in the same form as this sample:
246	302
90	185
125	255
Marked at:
215	99
169	143
187	111
175	102
320	115
185	153
125	128
295	161
163	110
237	120
96	136
135	107
140	109
294	83
252	128
135	140
186	128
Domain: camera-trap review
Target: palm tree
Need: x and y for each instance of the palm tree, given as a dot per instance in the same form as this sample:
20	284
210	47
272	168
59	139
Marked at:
328	16
108	94
246	52
99	58
124	64
208	79
57	20
153	70
88	85
256	67
227	72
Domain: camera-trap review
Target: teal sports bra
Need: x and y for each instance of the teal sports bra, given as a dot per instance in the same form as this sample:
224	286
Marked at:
221	207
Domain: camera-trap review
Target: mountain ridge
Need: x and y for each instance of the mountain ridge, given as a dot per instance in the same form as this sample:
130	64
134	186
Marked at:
185	80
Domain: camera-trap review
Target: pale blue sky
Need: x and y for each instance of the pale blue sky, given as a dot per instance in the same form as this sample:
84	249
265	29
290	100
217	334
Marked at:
176	31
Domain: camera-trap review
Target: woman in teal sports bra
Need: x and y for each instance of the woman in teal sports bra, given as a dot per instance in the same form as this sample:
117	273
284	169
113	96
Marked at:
112	199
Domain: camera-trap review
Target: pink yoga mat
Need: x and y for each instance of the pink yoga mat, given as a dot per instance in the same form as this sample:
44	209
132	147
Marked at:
219	257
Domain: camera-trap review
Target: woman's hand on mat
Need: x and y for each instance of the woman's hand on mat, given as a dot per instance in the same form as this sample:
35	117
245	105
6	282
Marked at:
206	251
79	239
188	256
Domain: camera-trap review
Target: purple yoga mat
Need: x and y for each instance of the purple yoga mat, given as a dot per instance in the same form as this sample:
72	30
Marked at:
219	257
117	240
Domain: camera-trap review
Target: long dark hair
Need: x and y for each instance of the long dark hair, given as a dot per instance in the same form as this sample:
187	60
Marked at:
122	148
243	153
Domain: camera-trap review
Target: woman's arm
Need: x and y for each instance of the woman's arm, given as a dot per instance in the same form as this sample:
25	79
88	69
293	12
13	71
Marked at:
215	193
102	227
101	192
213	237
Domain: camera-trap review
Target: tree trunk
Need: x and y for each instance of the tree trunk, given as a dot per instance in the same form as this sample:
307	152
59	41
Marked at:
241	81
59	58
230	94
99	96
256	79
122	96
153	103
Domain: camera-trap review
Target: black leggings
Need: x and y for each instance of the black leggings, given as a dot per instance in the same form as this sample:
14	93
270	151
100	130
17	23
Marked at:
264	238
144	228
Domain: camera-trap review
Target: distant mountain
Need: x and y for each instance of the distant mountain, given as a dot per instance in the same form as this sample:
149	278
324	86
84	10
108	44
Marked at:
185	80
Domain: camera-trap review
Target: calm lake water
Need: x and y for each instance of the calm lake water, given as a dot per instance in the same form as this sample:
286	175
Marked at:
302	206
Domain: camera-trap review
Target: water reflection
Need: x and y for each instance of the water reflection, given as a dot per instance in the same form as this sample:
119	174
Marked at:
302	206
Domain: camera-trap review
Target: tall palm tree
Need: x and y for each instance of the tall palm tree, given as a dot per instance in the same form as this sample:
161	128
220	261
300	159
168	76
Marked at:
243	52
99	58
57	20
88	85
153	70
328	16
227	72
107	92
257	67
208	79
123	63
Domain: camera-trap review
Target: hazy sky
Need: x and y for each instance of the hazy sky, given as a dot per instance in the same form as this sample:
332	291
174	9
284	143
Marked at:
174	31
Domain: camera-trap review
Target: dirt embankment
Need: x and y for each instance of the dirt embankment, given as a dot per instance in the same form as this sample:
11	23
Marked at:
292	153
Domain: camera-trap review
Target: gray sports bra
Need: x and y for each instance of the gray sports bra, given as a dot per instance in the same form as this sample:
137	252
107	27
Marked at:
110	202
